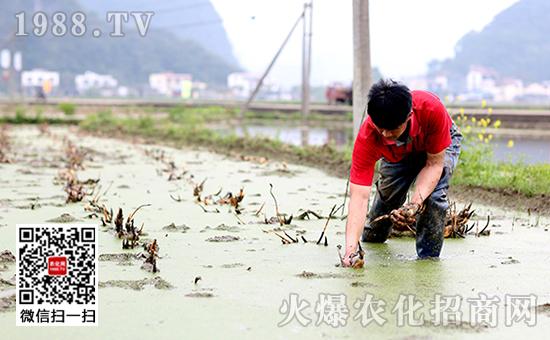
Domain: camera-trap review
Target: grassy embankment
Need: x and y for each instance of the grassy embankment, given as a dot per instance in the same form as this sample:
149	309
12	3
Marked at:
23	117
187	127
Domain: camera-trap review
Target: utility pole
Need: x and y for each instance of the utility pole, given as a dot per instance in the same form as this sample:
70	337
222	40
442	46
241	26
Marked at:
306	58
17	68
362	72
306	69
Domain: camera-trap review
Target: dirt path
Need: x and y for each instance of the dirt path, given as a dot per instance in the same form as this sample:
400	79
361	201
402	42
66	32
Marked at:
227	275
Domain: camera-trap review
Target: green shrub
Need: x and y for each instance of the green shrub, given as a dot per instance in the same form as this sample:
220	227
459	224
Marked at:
68	109
146	123
20	117
99	121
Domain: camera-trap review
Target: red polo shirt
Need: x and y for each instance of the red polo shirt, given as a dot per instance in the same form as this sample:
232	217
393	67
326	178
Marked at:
429	132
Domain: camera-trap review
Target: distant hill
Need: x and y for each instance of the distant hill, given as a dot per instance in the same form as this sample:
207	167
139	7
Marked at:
188	19
515	44
131	59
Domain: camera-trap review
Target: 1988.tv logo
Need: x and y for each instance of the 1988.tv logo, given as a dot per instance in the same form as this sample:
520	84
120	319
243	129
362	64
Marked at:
60	24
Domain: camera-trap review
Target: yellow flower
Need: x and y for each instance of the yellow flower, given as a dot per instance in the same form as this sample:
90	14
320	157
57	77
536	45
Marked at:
473	119
497	124
461	110
490	136
483	103
490	110
486	140
510	143
480	136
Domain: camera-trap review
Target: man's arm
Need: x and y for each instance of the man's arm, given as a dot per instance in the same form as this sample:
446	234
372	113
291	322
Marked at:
357	213
428	177
426	182
438	138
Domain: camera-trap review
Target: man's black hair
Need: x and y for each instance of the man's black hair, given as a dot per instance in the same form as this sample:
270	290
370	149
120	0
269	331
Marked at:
389	104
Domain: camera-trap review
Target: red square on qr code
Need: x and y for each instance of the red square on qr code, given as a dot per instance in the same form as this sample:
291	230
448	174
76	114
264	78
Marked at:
57	265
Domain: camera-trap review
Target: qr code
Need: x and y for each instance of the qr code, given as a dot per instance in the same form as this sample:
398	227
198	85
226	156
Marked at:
56	274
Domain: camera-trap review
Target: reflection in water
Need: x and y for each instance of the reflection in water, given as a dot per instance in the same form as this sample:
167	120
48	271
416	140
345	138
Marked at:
295	135
305	135
527	149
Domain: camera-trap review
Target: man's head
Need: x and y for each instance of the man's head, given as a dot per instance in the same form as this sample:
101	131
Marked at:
389	107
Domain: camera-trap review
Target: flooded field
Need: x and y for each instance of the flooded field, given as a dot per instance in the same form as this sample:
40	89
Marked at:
227	275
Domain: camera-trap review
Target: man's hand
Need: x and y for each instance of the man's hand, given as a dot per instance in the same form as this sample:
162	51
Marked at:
405	216
358	209
354	259
346	261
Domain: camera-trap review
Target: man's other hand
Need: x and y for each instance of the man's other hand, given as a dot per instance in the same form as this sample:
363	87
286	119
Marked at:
405	216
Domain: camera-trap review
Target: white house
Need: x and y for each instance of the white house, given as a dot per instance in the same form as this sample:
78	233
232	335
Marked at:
508	90
93	81
538	89
171	84
39	78
416	82
242	84
480	79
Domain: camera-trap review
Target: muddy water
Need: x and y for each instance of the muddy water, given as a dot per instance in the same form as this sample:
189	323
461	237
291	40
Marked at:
244	282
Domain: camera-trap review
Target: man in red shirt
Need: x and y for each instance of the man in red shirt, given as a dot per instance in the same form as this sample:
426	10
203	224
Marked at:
417	141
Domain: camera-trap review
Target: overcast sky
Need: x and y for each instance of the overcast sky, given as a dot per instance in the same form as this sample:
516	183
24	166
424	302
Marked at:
405	34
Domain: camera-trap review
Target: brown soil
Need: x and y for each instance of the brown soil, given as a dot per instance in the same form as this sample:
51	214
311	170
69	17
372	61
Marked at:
538	204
